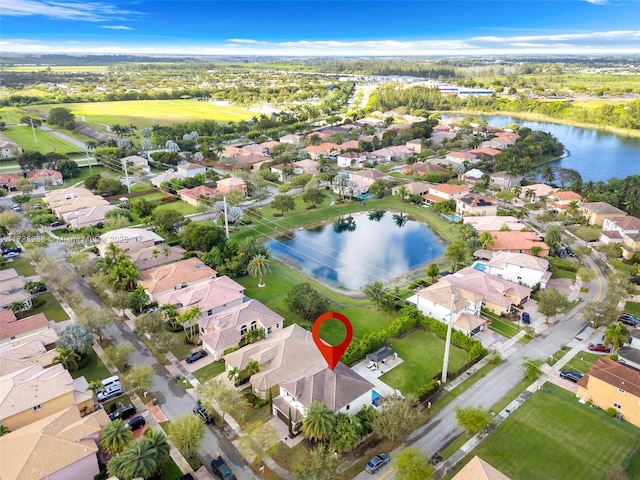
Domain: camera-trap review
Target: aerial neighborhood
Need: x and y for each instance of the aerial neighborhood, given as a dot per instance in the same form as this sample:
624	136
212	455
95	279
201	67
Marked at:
159	289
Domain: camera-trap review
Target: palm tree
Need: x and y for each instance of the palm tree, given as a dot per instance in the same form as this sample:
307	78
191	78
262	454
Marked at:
124	275
574	207
376	291
4	430
94	387
233	374
189	316
548	175
115	436
486	240
18	308
67	358
530	195
159	444
553	237
170	314
252	367
517	190
259	266
137	460
318	422
616	335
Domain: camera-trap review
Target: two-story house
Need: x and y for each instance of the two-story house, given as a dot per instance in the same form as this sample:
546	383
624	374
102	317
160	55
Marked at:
562	200
519	268
128	240
495	223
8	148
12	290
351	159
459	158
518	242
630	354
597	212
444	191
308	167
190	170
504	180
474	204
630	245
175	276
615	228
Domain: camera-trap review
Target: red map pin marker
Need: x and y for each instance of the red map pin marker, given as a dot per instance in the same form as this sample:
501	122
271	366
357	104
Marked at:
330	353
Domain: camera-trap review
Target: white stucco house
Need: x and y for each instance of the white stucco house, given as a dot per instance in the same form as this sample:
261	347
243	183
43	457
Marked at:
519	268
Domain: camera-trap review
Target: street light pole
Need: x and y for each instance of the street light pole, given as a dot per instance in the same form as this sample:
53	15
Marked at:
447	345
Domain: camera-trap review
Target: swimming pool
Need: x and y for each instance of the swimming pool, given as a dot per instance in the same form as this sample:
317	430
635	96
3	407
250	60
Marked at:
453	217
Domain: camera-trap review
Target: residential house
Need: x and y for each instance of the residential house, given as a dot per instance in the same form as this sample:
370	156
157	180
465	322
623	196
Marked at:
494	223
415	145
630	354
128	239
351	159
190	170
293	139
519	268
285	171
23	352
369	122
211	296
614	229
474	204
508	137
445	191
137	162
473	177
55	198
308	167
8	181
362	180
225	329
324	149
540	192
12	328
175	276
421	168
159	179
610	384
237	152
87	217
77	203
496	144
45	176
488	154
267	147
460	157
562	200
199	195
349	145
58	447
253	162
504	181
498	294
478	469
597	212
438	139
156	255
12	289
35	392
630	245
519	242
232	183
398	152
9	148
412	188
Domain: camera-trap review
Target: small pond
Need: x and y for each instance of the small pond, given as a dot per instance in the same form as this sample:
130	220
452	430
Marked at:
351	251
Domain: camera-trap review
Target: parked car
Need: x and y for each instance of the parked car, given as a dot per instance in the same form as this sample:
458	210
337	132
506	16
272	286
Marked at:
11	255
16	208
123	413
113	380
110	392
221	469
629	319
377	462
599	347
571	376
6	250
526	318
37	206
195	356
150	309
202	413
136	423
57	223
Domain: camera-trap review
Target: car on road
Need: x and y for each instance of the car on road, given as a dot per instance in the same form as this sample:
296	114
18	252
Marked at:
136	422
195	356
10	254
377	462
571	376
123	413
599	347
221	469
110	392
16	208
202	413
629	319
526	318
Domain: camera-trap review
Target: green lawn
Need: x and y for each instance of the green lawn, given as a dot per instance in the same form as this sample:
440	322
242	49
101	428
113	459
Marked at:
116	403
46	143
84	173
146	113
51	308
632	308
422	354
179	347
212	370
170	470
149	196
179	206
95	369
22	266
582	362
554	435
561	268
504	327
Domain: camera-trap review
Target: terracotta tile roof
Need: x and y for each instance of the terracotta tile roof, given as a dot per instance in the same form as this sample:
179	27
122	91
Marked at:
189	166
351	155
349	144
449	189
230	182
615	374
253	159
44	173
469	322
171	276
491	152
433	198
322	148
440	293
198	192
422	168
370	174
23	325
567	195
209	295
516	241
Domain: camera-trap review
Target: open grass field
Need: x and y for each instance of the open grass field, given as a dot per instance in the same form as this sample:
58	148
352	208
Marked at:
422	353
552	436
145	113
183	207
51	308
46	143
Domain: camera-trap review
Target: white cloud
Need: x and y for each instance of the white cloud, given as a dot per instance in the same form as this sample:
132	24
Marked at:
597	2
84	11
116	27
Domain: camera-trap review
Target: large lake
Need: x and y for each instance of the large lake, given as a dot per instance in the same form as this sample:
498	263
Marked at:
351	252
595	154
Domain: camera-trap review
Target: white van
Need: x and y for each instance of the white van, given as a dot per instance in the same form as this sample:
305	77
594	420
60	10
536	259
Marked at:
115	380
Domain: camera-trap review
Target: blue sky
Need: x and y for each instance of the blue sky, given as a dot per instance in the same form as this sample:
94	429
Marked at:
330	27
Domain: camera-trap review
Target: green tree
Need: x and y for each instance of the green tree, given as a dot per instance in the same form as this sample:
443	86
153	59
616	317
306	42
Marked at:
137	460
189	318
252	367
157	441
96	320
227	398
320	464
553	237
118	355
60	116
376	292
166	220
68	168
259	266
187	432
397	417
318	423
197	236
346	432
616	335
94	387
124	275
115	436
456	254
307	302
76	337
412	464
25	185
486	240
138	299
314	196
67	358
259	438
472	419
284	203
379	188
403	192
433	271
551	302
531	368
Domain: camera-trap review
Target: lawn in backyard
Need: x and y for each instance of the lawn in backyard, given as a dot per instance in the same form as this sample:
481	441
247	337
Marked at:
582	362
179	206
86	172
422	353
46	143
210	371
146	113
557	437
632	308
149	196
21	265
51	308
562	268
94	369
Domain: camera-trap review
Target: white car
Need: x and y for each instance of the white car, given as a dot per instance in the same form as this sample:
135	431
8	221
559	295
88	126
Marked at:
16	207
112	391
11	255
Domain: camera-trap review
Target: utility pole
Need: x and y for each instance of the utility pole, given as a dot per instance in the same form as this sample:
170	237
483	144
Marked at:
226	220
447	345
126	177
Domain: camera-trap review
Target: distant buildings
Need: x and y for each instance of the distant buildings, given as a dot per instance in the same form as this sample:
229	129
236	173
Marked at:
9	148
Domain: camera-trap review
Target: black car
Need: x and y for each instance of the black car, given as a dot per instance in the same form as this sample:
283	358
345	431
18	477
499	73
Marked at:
136	422
123	413
11	250
202	413
221	469
629	319
571	376
196	356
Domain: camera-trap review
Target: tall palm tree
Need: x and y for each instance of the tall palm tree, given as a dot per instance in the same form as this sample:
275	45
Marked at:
574	207
553	237
486	240
18	308
616	335
116	436
530	195
252	367
259	266
318	422
233	374
94	387
124	275
517	190
137	460
376	291
548	175
189	316
67	358
159	444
